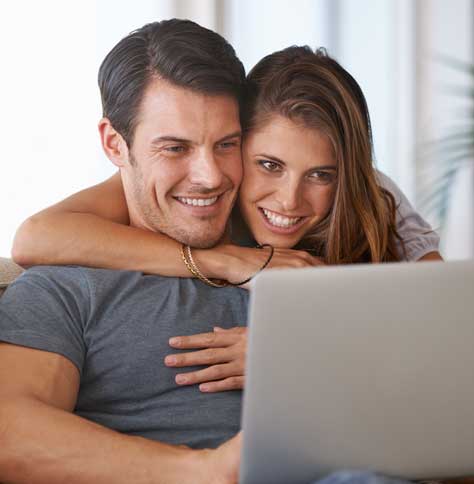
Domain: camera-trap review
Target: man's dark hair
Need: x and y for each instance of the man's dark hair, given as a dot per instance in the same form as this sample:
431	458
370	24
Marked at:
179	51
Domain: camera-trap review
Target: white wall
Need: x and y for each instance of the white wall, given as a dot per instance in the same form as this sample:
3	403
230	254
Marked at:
49	106
257	28
375	42
446	29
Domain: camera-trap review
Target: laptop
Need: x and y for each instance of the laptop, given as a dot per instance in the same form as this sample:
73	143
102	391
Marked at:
360	367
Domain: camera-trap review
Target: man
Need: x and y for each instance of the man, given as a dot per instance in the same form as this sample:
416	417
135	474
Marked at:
84	392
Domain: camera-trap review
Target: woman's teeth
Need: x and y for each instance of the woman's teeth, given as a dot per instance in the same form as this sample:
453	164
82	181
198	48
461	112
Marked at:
280	220
198	202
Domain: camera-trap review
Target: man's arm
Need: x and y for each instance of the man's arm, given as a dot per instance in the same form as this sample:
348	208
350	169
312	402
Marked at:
42	442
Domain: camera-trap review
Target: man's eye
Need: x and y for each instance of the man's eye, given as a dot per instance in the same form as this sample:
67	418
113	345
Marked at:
227	145
175	149
271	166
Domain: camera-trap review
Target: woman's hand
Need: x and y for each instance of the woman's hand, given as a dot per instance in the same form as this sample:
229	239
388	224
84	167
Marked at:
234	264
223	352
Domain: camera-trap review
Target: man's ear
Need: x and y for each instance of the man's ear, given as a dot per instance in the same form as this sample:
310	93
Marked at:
113	143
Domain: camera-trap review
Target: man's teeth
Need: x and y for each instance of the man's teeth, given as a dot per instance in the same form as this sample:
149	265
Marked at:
280	220
198	202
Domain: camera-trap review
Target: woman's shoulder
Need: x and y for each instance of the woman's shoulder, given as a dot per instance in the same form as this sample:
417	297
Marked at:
386	182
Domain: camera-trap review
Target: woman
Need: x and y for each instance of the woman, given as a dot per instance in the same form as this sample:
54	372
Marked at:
309	186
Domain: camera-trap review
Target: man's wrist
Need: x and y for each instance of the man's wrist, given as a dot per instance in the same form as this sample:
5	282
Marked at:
197	467
180	464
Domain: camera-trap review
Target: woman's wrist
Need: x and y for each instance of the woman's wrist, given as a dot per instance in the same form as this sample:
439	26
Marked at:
215	262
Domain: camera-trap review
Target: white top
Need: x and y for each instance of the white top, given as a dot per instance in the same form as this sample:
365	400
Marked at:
417	234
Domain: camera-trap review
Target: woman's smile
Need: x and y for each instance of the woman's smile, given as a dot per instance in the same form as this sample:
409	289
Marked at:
281	223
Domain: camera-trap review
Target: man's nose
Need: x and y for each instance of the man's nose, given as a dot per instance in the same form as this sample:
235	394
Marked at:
205	171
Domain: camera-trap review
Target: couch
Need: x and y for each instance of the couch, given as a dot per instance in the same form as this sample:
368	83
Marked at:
9	271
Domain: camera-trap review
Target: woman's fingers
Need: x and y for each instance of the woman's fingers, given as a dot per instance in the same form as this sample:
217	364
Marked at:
216	339
210	374
225	365
209	356
291	261
234	330
231	383
294	258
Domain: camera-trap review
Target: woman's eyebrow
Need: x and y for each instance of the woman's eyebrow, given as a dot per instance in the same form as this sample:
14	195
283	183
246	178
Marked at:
271	157
325	167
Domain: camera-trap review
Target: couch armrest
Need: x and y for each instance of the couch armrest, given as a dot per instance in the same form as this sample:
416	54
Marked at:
9	271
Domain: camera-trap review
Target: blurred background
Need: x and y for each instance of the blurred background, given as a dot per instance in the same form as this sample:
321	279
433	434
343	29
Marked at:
413	59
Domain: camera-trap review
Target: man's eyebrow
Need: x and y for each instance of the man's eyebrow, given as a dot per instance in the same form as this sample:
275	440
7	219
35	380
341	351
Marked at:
160	139
235	134
176	139
274	158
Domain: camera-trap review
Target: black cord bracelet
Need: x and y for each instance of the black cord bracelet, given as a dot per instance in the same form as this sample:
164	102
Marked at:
272	250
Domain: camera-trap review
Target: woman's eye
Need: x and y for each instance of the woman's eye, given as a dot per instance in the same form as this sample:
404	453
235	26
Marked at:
268	165
322	176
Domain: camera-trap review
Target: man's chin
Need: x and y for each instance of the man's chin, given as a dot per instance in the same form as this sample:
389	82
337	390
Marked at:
203	240
198	243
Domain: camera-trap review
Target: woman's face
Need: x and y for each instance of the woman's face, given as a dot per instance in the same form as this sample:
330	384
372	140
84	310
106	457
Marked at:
289	181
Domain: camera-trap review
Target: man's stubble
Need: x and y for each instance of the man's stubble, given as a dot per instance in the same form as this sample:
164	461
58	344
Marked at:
201	236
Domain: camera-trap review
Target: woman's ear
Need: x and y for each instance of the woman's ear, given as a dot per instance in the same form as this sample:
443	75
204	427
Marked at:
113	144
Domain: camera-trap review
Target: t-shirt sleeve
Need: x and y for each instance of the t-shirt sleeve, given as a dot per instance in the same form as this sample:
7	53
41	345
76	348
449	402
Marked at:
418	236
46	309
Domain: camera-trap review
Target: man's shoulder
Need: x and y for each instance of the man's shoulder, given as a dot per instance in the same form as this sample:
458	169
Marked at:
56	274
68	287
40	282
74	272
99	285
70	278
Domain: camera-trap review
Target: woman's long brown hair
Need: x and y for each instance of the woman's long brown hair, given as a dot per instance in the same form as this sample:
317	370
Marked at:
313	89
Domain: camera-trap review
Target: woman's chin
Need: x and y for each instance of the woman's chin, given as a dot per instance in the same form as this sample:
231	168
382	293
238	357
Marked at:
278	241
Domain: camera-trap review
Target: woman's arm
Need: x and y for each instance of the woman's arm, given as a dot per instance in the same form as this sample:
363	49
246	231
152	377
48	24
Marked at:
90	228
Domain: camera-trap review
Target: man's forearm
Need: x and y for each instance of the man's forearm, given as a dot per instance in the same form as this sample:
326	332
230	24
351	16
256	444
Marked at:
44	445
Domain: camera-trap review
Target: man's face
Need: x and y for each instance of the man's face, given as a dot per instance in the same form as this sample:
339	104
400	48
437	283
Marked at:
184	165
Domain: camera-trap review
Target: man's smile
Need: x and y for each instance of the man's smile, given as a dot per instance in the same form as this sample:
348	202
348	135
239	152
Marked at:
200	206
198	202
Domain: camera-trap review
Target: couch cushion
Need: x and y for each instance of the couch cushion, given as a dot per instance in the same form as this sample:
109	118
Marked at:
9	271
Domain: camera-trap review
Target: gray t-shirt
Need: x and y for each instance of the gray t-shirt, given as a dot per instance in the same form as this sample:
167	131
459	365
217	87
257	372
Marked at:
114	326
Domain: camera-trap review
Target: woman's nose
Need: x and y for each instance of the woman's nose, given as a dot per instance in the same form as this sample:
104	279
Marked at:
290	195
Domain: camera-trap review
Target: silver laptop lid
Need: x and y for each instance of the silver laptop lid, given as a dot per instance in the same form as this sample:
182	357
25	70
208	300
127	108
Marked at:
360	367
